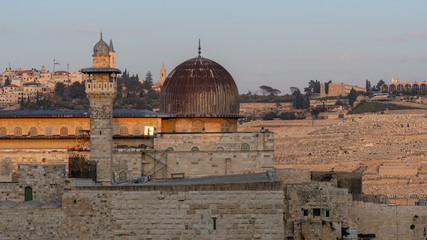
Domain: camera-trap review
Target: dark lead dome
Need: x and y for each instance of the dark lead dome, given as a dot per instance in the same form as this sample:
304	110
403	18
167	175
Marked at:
199	86
101	48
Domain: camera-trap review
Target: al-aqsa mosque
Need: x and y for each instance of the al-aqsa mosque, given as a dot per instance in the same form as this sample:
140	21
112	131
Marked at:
194	134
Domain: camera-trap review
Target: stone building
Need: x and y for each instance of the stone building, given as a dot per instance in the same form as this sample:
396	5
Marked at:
338	89
396	86
194	138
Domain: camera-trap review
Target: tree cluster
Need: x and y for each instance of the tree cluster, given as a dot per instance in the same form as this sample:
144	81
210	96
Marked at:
132	94
268	94
300	101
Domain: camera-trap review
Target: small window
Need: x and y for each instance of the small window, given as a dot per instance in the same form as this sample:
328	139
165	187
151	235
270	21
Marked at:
136	131
246	147
305	212
214	223
122	176
79	131
63	131
28	194
316	212
3	131
194	149
17	131
220	149
33	131
124	131
327	213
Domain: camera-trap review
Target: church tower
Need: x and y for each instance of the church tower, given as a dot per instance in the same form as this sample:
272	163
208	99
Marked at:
112	54
101	87
162	74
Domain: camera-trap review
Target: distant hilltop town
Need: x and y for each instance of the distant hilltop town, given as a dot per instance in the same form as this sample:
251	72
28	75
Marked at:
25	85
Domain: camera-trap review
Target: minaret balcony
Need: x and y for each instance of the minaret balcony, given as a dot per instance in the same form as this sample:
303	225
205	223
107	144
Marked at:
101	86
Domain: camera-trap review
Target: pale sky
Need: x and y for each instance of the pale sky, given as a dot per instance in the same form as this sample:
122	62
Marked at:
276	43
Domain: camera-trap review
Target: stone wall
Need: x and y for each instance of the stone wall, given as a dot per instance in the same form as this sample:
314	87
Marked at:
389	221
317	210
212	141
240	211
205	163
293	176
47	183
10	159
352	181
31	223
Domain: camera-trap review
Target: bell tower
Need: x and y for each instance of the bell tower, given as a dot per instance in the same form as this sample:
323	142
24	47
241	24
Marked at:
101	87
112	54
162	74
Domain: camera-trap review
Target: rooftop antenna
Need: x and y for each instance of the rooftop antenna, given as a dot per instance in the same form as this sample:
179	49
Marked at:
199	48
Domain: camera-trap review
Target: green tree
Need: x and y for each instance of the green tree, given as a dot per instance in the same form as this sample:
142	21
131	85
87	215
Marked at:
267	90
379	84
352	96
306	102
147	85
77	90
368	86
7	81
59	89
313	87
298	99
327	86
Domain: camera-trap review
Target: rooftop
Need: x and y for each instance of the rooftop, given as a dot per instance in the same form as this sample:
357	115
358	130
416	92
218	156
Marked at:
268	176
75	113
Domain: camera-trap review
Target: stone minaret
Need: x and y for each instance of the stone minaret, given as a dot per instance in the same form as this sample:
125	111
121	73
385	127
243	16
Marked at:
101	87
162	74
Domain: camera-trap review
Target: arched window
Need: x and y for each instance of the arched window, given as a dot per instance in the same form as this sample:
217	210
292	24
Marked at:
63	131
220	149
136	131
194	149
33	131
28	194
197	126
124	131
79	131
3	131
169	149
48	131
225	126
246	147
123	176
17	131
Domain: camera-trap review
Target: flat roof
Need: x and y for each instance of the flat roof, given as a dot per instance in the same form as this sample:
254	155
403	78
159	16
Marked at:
123	113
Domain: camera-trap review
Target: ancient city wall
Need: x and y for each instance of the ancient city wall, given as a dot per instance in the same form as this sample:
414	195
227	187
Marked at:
389	221
241	211
30	223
